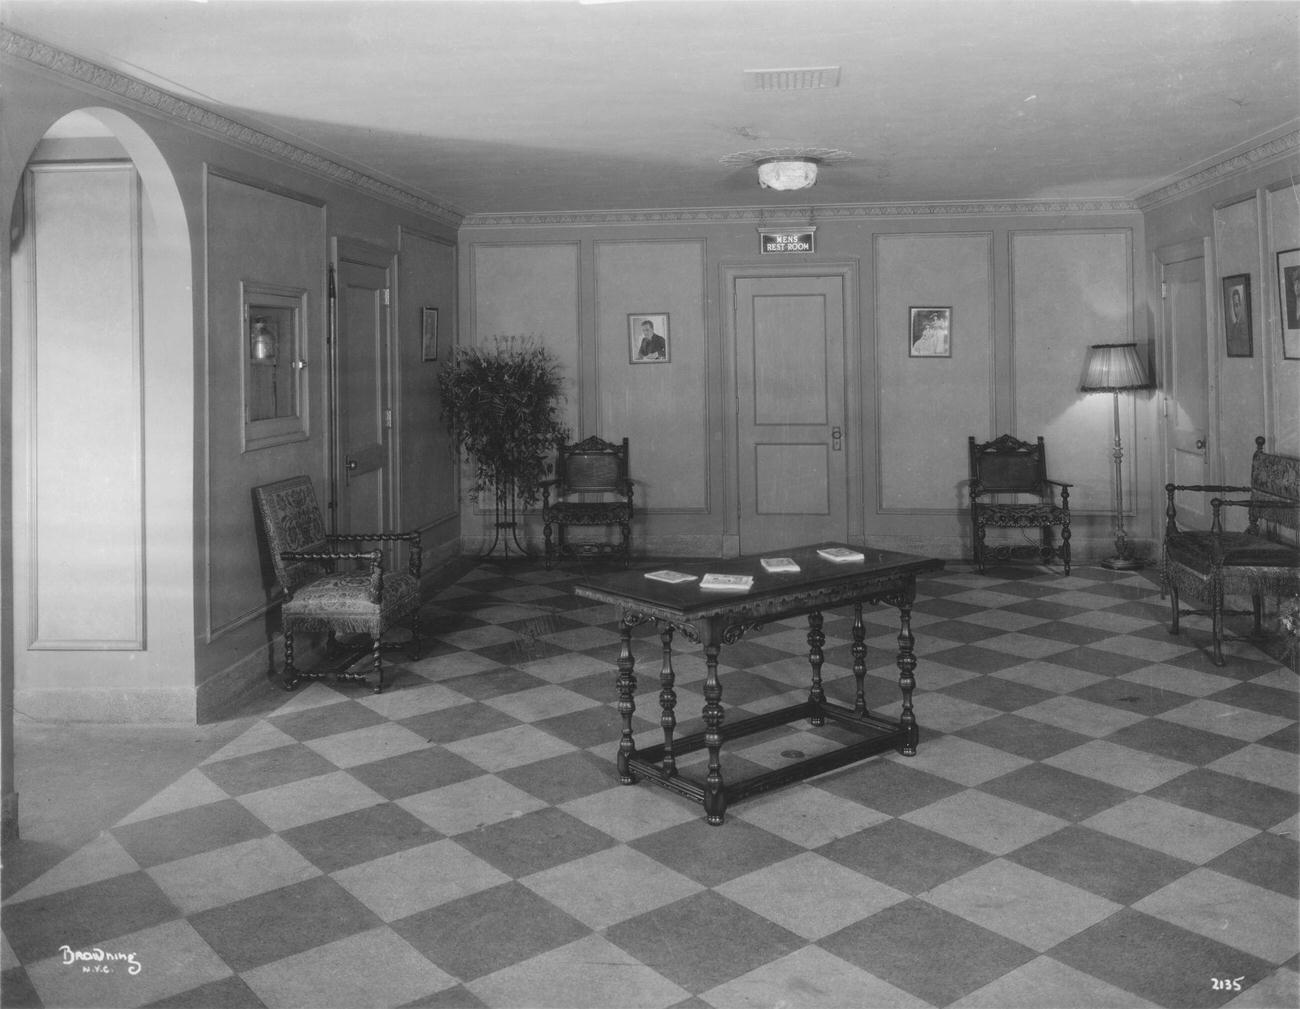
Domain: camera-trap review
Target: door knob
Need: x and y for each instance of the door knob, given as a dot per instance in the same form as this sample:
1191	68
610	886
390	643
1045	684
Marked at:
1200	444
836	437
351	464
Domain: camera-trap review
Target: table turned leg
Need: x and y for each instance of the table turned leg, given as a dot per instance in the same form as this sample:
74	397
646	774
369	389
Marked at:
715	795
626	701
816	638
906	679
859	650
668	699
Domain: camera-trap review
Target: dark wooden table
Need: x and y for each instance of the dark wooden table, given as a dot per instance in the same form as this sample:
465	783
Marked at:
715	618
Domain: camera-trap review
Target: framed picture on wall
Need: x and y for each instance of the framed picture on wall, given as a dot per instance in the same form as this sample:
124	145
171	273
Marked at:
1236	315
648	338
429	334
929	332
1288	301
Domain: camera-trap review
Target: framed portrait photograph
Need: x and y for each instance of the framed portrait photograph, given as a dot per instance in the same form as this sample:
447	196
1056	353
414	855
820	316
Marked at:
1236	315
648	338
1288	301
929	332
429	334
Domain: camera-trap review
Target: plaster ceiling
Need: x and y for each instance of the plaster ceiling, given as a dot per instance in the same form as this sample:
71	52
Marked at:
520	106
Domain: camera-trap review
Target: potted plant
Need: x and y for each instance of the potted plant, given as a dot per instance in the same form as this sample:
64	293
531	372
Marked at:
501	404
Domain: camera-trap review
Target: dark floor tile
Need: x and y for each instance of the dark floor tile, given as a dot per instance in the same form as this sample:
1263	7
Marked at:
252	772
489	930
270	926
712	855
359	836
85	915
904	856
1056	791
326	720
455	997
1044	608
414	772
1107	866
1268	860
949	609
965	631
535	841
972	658
998	693
1177	742
188	832
1257	697
567	776
494	682
1025	737
17	990
1068	633
1232	798
1135	697
1157	961
669	940
891	944
1101	661
228	993
459	722
1286	738
518	652
888	785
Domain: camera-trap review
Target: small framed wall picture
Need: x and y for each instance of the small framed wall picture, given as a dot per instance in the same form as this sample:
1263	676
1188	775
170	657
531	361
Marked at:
428	334
929	332
1236	315
649	341
1288	301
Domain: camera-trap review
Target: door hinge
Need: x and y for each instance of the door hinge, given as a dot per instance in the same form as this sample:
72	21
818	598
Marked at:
1164	290
388	418
386	297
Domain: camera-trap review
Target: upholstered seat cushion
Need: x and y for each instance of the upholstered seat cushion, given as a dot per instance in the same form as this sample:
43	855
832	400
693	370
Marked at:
342	602
1019	514
1240	550
590	512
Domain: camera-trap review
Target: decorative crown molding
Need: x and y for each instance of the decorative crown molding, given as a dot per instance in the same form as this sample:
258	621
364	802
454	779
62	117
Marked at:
149	98
1256	157
810	212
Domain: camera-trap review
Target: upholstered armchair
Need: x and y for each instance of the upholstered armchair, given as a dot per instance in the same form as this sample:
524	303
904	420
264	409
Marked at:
333	589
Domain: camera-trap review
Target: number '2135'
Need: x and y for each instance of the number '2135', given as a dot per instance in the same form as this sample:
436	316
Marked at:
1228	983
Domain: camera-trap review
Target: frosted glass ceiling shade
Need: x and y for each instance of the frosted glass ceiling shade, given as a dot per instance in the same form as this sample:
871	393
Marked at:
1114	366
797	173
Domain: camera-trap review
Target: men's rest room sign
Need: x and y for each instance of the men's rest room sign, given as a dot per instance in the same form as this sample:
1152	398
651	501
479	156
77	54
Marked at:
786	242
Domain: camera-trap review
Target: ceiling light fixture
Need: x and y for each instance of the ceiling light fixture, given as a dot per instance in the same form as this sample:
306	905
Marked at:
787	173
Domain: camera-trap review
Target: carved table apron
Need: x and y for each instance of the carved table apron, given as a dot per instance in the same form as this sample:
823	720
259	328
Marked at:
715	618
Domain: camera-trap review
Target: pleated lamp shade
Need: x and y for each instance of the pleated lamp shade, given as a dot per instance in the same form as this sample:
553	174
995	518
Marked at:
1114	366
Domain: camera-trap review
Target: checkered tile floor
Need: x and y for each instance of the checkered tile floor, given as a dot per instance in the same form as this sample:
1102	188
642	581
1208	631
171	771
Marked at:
1097	816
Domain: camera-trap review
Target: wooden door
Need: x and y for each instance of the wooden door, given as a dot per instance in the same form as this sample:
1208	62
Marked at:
362	415
790	367
1189	381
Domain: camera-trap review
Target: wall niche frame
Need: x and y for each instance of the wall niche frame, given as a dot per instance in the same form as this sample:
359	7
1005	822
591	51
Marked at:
272	327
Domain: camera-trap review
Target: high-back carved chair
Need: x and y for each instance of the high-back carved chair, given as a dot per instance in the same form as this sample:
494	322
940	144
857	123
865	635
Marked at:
1009	489
591	488
330	588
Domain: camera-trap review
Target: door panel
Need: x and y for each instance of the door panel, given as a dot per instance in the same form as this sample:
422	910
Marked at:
363	445
790	402
1189	380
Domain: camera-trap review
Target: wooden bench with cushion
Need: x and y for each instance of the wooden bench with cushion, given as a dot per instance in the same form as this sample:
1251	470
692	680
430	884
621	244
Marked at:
1263	559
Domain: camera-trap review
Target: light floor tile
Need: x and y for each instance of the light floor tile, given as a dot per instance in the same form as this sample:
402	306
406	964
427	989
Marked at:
467	805
810	978
1144	648
416	879
961	760
610	886
563	668
512	747
342	974
1119	765
1005	620
1021	904
362	746
1178	680
478	637
309	800
232	873
627	812
262	735
806	815
1226	719
103	858
1049	676
194	788
1231	911
451	666
1262	764
1043	983
985	821
1027	646
941	712
1176	830
1281	988
810	895
591	973
582	639
541	702
1084	717
172	958
410	698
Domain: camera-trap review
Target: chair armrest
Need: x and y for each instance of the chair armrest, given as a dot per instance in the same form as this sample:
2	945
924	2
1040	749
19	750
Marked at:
375	557
414	561
1059	483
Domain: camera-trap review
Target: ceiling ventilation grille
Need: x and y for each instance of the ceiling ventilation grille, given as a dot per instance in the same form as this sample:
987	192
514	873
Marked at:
793	79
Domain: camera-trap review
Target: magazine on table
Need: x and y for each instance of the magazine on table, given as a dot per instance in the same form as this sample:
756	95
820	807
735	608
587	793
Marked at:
778	565
671	577
841	555
731	583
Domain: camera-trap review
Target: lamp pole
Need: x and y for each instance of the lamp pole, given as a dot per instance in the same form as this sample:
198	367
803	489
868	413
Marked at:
1122	561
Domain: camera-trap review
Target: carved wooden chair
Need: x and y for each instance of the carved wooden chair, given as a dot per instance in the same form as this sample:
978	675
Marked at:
1263	559
591	488
333	589
1009	489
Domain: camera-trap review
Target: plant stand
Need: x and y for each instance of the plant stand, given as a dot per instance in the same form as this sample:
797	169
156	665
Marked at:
505	526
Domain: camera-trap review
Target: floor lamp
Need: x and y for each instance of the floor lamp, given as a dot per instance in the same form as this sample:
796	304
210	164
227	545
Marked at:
1116	368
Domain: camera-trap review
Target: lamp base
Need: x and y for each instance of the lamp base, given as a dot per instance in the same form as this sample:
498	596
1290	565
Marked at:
1123	563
